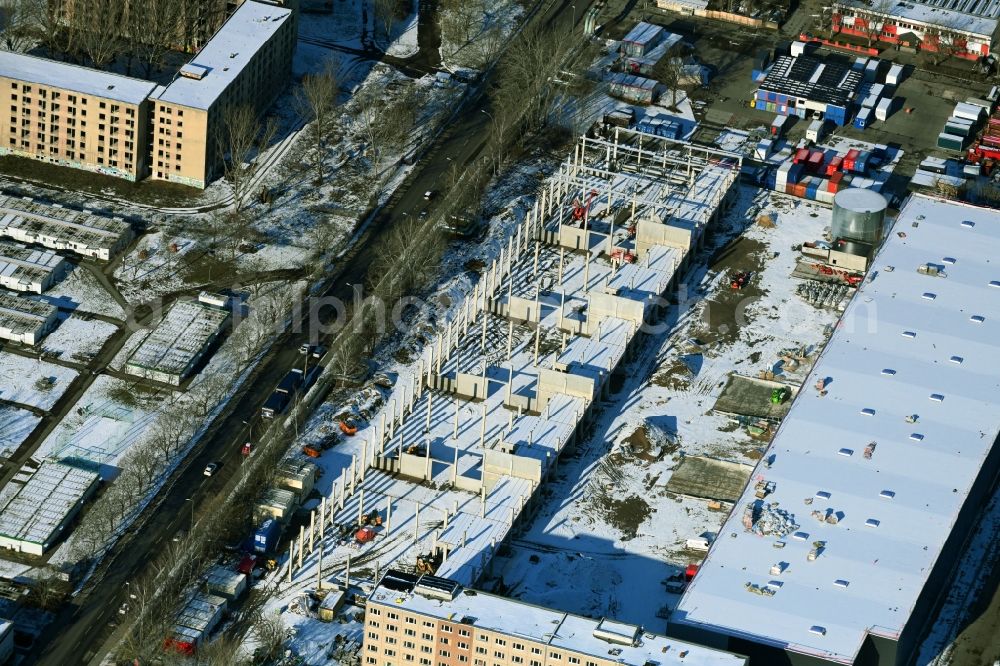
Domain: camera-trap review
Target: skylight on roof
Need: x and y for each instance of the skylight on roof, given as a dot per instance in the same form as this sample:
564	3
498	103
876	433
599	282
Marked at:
977	319
872	522
888	371
887	494
909	334
840	582
929	295
956	359
868	411
936	397
968	224
917	437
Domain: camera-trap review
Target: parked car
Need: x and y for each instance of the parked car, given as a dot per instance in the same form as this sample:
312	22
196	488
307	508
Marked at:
429	194
211	468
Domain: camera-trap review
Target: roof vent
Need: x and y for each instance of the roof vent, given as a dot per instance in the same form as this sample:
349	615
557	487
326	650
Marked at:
949	260
233	55
929	296
956	359
888	371
968	224
871	522
977	319
909	334
840	582
111	87
936	397
822	494
887	494
846	452
868	411
801	536
916	437
995	283
818	630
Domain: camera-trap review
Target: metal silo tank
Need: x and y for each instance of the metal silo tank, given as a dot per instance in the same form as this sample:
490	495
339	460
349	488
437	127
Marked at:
859	215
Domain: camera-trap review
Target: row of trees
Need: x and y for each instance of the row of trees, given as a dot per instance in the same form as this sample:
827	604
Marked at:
97	32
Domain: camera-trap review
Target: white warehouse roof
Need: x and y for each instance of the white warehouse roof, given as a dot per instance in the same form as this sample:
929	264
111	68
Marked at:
225	55
37	511
42	71
912	369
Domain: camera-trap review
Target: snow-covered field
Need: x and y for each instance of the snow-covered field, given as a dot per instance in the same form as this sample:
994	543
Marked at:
32	382
80	290
78	339
15	426
610	523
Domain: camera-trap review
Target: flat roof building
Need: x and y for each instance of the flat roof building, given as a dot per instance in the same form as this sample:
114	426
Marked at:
410	616
53	226
74	116
27	269
35	516
881	467
964	28
25	321
809	86
247	62
170	352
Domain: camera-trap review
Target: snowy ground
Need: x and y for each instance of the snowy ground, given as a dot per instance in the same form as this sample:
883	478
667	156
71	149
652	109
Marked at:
32	382
80	291
471	39
15	426
620	493
78	338
109	418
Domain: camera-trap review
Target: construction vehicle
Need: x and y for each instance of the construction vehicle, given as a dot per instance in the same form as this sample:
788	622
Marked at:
428	563
779	395
311	451
373	518
581	210
348	427
623	255
741	279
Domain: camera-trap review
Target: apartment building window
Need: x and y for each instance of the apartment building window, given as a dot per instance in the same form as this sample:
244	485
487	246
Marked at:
100	127
410	632
100	149
463	632
72	99
428	624
13	86
102	116
499	654
517	660
130	113
128	157
444	640
55	107
555	655
103	105
573	660
41	104
25	89
389	652
371	660
427	637
100	160
502	642
180	112
13	98
481	650
115	108
13	109
114	163
42	92
444	653
462	658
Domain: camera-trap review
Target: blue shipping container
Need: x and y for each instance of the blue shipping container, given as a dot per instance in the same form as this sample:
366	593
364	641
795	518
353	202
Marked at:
761	105
836	114
266	537
795	173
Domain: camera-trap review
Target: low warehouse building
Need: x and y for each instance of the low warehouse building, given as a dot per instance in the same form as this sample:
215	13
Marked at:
809	87
27	269
25	321
631	88
224	582
35	517
52	226
276	503
172	350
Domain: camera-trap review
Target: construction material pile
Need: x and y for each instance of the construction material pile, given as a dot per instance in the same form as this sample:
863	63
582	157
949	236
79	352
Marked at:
766	519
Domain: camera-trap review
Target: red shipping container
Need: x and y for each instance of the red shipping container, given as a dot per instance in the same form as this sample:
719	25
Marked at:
816	161
790	189
834	165
691	571
801	155
800	190
852	154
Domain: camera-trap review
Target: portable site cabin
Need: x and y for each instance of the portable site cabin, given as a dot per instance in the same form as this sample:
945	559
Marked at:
636	89
642	39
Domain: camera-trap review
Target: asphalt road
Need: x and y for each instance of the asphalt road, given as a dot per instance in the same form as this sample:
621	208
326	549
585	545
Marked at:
82	628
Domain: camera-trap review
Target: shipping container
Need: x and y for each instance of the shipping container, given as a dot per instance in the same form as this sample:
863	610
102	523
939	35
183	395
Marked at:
871	69
816	131
895	75
863	118
778	125
265	539
885	108
835	165
815	162
970	111
950	141
825	196
801	155
763	149
849	158
985	103
798	48
795	173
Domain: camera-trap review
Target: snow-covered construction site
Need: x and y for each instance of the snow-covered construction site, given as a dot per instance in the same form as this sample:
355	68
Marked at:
463	448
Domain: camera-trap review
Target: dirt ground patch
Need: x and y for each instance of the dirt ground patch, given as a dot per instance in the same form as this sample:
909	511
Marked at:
708	478
648	448
724	311
676	376
628	514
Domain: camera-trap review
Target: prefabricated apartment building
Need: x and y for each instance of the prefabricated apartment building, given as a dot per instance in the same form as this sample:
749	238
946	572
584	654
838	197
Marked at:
880	469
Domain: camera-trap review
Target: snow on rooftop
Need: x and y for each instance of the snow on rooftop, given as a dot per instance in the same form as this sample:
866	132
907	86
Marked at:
225	55
35	513
26	269
971	16
84	80
178	341
911	392
555	628
53	226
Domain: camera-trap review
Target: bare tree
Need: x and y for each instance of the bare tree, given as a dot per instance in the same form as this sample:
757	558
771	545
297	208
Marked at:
874	18
240	139
269	631
461	20
152	27
369	115
15	25
90	21
317	98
